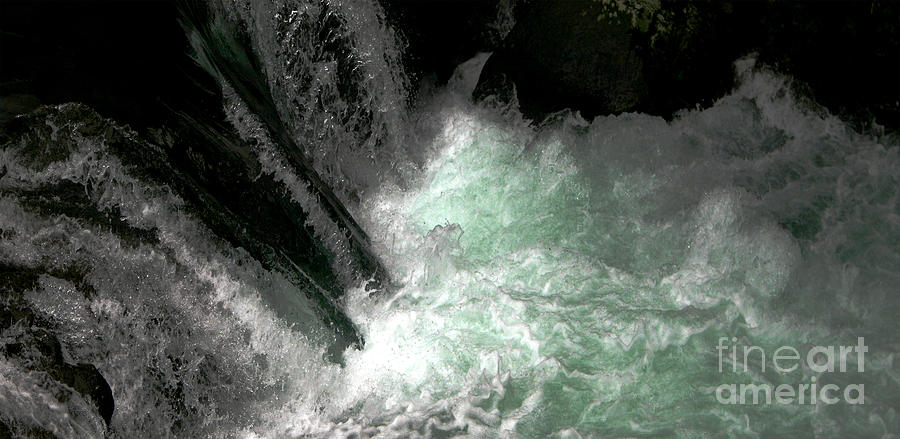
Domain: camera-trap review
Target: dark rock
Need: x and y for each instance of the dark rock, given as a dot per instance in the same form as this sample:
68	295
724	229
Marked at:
597	58
87	380
560	55
13	105
120	58
844	55
848	53
140	73
36	347
441	34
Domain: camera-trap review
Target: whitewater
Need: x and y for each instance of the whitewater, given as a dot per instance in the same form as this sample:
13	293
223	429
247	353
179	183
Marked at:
564	279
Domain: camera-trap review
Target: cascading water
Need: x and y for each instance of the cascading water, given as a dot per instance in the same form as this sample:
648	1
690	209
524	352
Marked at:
567	280
575	279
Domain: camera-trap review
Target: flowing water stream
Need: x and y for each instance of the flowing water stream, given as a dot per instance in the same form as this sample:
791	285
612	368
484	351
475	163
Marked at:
572	279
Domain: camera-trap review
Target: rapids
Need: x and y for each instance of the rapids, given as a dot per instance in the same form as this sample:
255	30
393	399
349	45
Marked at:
568	279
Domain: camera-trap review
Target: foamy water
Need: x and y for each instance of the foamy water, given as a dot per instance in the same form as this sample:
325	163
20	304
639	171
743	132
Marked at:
568	280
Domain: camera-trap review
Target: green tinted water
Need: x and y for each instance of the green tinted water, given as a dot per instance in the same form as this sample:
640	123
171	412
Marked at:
577	279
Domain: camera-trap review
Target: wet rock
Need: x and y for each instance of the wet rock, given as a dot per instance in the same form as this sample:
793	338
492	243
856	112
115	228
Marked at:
27	340
441	34
560	55
16	104
607	56
140	74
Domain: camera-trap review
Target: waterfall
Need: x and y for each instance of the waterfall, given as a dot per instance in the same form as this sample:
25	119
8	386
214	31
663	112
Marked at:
333	260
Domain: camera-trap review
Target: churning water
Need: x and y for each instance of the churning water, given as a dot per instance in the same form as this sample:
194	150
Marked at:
567	280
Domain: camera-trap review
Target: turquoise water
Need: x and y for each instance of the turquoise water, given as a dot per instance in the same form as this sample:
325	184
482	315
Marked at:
575	280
